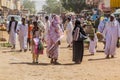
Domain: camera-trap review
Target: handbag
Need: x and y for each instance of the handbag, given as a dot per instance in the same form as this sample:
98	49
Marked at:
82	37
40	46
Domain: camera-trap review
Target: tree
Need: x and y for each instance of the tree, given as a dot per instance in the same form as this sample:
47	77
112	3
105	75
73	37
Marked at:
73	5
29	5
53	6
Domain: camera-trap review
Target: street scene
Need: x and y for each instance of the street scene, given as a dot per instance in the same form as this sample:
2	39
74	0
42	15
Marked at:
59	40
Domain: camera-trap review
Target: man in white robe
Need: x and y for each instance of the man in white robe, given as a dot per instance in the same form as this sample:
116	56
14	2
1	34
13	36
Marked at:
23	35
111	34
69	29
11	28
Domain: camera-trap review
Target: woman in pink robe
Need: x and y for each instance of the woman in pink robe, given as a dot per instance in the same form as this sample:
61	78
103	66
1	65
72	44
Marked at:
53	39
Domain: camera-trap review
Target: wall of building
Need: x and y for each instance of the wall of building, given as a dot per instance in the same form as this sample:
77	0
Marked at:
9	5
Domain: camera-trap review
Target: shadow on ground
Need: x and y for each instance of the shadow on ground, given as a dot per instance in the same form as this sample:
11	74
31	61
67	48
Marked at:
43	64
8	51
100	59
28	63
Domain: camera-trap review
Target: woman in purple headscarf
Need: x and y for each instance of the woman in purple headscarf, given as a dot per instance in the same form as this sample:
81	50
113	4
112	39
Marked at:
53	39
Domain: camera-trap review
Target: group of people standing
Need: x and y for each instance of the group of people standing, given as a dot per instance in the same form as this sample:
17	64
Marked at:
108	28
34	34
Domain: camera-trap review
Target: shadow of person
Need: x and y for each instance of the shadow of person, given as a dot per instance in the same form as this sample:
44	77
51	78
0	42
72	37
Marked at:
88	55
68	64
100	51
100	59
42	64
28	63
8	51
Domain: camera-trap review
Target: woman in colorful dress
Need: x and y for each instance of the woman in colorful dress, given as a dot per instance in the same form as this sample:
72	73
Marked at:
35	43
53	40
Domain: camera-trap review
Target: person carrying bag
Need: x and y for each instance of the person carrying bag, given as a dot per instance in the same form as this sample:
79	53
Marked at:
79	36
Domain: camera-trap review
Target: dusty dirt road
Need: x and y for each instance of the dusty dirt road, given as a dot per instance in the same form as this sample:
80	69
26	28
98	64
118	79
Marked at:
18	66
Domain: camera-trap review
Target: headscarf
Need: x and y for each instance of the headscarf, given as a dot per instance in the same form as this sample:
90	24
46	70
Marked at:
56	19
77	23
76	30
112	15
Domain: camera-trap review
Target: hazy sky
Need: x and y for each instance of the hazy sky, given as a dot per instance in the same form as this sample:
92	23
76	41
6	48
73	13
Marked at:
39	4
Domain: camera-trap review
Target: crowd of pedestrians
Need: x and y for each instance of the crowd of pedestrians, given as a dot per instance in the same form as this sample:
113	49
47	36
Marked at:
34	33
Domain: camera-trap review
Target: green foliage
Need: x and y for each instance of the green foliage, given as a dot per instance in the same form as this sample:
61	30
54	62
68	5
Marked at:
29	5
53	6
73	5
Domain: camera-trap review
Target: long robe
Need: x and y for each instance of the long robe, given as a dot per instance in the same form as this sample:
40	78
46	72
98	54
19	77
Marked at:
54	36
69	30
111	34
78	50
92	46
78	46
23	35
12	33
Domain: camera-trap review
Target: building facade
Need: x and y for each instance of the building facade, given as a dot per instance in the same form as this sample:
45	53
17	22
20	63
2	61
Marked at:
8	6
93	3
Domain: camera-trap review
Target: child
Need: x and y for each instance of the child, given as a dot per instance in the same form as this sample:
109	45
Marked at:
35	43
30	26
93	44
93	41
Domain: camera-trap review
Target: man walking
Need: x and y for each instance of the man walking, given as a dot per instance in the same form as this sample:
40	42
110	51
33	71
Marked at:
111	33
23	34
11	28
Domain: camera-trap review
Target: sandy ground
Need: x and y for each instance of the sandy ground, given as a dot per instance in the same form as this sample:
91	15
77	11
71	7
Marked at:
18	66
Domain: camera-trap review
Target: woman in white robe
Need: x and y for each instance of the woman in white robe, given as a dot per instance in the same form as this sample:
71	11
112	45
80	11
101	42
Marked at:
111	34
69	29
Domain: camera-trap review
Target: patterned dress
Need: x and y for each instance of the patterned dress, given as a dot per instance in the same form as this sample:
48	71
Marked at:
54	36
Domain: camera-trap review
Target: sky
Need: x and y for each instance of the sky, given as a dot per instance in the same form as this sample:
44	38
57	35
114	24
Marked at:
39	4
